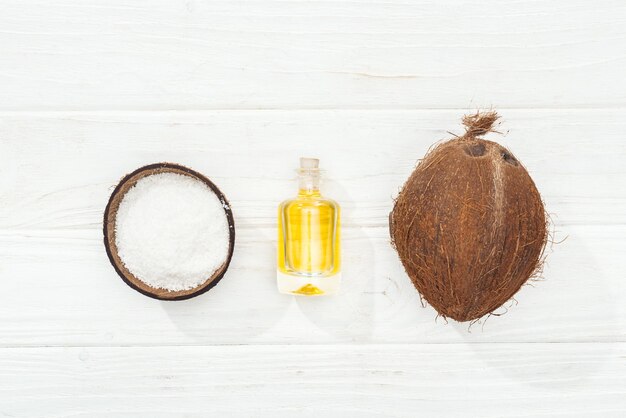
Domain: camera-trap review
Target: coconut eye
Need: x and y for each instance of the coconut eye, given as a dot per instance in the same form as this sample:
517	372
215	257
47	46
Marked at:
509	158
475	150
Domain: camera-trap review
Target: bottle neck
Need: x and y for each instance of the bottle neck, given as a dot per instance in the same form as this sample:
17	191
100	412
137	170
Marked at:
309	182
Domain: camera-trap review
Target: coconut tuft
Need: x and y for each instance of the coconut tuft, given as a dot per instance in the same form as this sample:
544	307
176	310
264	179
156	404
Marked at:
469	224
479	123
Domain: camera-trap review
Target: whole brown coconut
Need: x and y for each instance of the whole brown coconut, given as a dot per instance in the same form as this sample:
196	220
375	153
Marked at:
469	224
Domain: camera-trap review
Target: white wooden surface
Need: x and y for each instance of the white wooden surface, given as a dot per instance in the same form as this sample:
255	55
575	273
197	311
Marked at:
90	90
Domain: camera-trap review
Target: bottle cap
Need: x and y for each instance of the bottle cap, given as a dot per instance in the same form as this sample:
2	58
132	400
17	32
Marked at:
309	163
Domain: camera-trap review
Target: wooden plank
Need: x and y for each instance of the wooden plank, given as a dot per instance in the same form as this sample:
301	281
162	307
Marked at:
476	380
59	289
58	168
104	54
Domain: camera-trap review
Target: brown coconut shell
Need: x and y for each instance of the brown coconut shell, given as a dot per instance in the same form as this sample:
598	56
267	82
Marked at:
110	215
469	224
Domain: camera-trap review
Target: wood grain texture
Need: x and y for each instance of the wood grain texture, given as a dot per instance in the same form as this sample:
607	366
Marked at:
61	167
64	292
484	380
186	54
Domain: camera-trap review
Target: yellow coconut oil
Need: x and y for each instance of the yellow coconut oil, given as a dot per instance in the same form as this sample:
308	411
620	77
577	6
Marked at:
309	236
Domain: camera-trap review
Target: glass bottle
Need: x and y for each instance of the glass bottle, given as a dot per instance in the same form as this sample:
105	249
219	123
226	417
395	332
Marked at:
309	235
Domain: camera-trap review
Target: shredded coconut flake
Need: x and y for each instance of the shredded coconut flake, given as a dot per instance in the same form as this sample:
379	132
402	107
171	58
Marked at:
171	231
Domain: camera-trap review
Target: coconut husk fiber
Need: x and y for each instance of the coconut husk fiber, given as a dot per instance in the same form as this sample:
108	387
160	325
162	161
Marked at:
469	224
